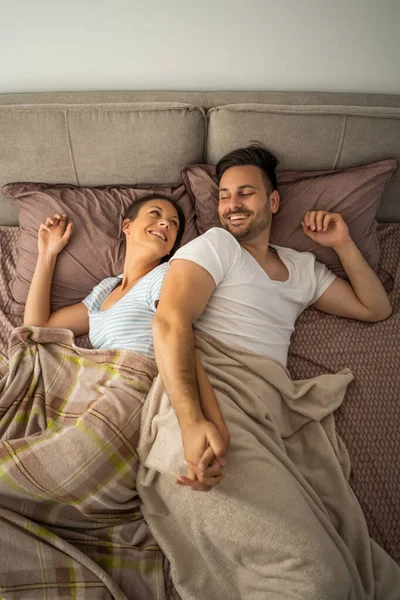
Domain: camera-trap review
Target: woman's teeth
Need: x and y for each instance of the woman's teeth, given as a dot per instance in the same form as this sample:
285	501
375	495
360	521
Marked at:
158	234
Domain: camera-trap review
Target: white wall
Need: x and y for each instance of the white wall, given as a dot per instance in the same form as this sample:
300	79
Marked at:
285	45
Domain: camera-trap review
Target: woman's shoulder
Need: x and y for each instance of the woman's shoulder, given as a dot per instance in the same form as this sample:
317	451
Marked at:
109	281
106	285
159	271
162	268
100	290
154	276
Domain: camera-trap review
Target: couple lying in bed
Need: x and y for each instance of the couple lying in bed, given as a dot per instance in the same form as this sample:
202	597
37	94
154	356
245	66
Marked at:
229	283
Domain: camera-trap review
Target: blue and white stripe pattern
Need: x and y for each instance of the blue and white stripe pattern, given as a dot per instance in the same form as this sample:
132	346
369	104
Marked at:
126	324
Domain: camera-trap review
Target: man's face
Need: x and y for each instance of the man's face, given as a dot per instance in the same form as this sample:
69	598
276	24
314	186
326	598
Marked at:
244	206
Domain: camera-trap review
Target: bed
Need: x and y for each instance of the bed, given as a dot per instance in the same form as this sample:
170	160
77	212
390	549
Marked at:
146	138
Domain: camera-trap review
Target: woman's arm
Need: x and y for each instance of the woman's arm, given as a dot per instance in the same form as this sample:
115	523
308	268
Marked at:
209	403
52	238
210	475
37	307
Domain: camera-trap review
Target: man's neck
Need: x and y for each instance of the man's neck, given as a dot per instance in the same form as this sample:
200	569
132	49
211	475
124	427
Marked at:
259	248
268	260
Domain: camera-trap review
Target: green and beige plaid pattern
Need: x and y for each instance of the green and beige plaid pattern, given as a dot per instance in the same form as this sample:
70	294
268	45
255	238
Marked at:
70	520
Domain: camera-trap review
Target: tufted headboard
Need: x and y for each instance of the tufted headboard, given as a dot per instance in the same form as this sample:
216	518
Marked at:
98	138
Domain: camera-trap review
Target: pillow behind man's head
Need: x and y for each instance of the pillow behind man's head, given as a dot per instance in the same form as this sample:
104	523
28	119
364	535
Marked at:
354	192
97	247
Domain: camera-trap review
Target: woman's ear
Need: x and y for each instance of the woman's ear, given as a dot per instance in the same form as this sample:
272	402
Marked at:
125	226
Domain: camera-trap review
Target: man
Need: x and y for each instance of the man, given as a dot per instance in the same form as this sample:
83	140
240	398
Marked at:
232	284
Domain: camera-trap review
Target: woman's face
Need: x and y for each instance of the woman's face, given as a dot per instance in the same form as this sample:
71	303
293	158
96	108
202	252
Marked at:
155	226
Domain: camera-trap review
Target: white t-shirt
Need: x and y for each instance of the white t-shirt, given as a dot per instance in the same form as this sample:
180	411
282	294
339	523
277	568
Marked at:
248	309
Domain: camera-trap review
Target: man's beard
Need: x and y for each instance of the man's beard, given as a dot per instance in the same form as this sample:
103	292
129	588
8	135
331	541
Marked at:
257	225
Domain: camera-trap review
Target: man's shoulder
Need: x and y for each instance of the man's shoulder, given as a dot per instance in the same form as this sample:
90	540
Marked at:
295	255
217	251
220	234
216	237
305	263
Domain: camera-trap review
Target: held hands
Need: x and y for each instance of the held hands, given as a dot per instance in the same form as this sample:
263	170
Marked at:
205	451
325	228
54	235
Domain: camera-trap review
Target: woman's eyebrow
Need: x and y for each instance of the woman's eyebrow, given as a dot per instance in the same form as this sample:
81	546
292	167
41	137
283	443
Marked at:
161	210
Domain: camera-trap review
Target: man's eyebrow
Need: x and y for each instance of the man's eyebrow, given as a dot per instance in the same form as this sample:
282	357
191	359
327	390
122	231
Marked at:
240	187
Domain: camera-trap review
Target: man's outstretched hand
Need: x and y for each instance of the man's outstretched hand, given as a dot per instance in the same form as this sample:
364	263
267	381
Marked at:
326	228
205	452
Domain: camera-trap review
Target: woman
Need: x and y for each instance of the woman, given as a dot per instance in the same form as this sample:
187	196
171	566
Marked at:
119	310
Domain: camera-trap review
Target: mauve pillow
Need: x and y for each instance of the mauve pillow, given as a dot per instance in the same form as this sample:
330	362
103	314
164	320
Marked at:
354	192
96	248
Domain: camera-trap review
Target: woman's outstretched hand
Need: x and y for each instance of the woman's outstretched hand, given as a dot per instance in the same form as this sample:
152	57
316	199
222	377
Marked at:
54	235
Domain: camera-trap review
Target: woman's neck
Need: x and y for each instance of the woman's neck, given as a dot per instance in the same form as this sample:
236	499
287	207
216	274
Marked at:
136	267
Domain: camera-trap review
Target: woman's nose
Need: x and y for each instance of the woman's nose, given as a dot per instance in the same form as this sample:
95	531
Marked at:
165	224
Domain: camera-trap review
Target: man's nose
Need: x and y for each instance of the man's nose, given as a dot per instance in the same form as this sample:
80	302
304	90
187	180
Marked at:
235	202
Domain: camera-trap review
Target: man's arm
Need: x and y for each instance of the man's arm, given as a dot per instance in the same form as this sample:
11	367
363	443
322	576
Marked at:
186	291
209	402
364	298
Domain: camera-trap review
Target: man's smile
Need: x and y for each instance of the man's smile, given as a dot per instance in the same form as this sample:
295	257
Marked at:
237	218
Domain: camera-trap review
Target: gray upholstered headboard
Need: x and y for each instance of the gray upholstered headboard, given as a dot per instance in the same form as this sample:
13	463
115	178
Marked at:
98	138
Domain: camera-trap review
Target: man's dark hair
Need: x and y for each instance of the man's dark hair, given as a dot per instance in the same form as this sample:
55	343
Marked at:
133	209
256	155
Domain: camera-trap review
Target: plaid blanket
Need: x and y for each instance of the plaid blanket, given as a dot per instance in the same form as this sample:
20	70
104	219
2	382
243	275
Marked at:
70	521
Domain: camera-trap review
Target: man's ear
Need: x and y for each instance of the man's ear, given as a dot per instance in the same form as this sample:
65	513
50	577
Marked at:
275	199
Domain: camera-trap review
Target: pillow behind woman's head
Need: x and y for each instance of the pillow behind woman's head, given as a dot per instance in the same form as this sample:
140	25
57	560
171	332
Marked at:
96	249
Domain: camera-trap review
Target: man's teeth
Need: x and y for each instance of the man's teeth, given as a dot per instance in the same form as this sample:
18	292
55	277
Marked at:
237	217
160	235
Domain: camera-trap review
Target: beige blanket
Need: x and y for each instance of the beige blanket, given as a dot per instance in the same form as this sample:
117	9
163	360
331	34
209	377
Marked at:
284	524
